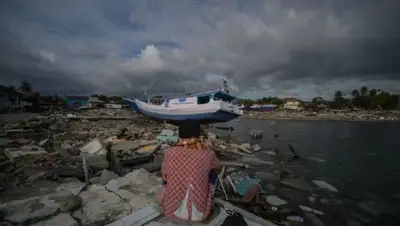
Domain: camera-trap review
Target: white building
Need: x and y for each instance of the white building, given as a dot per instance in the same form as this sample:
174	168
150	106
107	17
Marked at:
292	104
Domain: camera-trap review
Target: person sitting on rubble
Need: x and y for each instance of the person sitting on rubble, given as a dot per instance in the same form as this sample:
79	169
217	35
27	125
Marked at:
187	192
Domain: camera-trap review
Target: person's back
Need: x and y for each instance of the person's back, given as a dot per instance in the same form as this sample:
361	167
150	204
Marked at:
187	189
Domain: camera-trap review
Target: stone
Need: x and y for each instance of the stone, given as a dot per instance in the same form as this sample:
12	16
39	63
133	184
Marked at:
312	220
167	132
106	176
275	201
94	147
139	188
299	184
71	203
140	217
94	180
62	219
34	209
256	147
16	154
324	185
74	187
100	207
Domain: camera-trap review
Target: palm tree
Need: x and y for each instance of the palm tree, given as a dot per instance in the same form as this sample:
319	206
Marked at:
25	87
355	93
364	91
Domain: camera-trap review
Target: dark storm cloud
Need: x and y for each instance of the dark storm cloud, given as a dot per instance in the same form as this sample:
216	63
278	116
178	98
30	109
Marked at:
266	47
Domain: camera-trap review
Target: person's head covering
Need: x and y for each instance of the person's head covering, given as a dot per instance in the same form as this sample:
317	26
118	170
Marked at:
189	130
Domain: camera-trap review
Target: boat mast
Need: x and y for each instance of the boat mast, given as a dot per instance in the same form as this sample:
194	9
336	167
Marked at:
224	85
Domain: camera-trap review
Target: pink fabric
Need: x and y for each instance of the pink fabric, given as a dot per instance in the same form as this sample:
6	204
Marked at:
183	168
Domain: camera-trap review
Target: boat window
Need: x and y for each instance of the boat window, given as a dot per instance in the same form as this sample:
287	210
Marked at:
217	98
203	99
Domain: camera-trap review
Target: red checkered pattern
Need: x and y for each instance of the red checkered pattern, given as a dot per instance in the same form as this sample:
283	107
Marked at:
182	167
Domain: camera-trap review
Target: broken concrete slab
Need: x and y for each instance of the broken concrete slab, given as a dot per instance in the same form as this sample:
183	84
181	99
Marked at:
100	207
106	176
275	200
298	183
97	162
34	209
255	160
16	154
324	185
94	147
167	132
68	171
62	219
74	187
138	187
140	217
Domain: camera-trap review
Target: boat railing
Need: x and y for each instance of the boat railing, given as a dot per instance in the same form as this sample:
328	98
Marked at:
230	107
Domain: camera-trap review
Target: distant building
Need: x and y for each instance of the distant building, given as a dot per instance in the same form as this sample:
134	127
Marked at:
77	101
94	102
292	103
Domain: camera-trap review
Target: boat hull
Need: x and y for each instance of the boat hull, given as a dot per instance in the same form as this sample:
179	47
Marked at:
216	116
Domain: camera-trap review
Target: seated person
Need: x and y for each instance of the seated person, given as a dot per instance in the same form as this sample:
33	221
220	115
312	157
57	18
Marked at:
187	191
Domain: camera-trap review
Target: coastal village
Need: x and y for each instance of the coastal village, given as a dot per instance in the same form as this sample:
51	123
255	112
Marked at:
87	161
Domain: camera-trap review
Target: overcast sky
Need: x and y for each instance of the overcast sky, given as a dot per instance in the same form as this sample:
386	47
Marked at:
300	48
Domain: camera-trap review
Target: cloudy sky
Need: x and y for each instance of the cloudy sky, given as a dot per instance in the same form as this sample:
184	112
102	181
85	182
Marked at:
296	48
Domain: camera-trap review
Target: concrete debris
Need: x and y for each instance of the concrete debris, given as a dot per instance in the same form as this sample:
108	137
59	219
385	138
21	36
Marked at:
324	185
94	147
62	219
310	210
106	176
275	201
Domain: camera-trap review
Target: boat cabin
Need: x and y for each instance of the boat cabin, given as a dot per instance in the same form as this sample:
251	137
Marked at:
200	98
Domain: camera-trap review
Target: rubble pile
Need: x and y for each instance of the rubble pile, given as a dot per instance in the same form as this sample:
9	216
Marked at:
71	171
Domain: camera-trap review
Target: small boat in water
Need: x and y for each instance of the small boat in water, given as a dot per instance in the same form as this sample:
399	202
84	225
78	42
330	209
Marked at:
208	107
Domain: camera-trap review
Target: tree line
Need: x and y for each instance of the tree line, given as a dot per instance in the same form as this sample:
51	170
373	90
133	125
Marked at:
363	98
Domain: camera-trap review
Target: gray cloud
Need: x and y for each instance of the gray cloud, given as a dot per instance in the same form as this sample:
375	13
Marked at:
264	47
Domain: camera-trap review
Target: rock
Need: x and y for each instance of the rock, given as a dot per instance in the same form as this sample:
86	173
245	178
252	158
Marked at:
16	154
68	171
106	176
74	187
275	201
299	184
100	207
94	147
256	147
71	203
94	180
324	185
62	219
138	187
34	209
312	220
353	223
167	132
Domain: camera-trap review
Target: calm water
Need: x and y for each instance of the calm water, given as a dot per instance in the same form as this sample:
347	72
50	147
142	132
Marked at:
356	157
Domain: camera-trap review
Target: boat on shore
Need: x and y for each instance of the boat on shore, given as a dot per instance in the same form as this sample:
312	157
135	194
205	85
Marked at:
266	107
207	107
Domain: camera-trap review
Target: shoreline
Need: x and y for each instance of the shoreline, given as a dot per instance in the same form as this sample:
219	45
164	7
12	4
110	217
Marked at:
317	118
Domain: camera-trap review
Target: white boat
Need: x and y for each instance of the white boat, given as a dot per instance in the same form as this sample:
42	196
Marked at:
209	107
